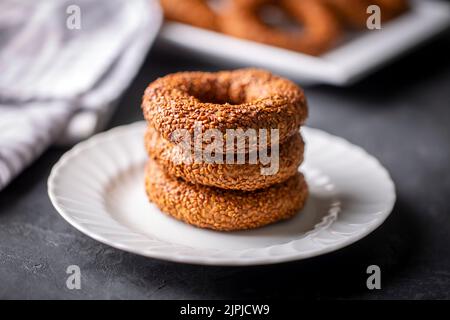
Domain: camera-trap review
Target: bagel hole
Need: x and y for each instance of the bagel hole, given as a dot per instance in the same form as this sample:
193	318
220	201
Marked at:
210	98
216	5
218	96
278	18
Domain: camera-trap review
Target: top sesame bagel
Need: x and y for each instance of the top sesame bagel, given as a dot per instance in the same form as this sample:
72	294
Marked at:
241	99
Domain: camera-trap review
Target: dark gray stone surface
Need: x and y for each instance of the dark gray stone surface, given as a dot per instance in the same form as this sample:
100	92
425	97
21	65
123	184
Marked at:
401	115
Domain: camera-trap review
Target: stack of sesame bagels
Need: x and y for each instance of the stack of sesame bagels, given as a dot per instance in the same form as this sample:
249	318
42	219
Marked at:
196	175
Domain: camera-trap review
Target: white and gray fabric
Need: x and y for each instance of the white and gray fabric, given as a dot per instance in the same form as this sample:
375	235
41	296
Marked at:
59	84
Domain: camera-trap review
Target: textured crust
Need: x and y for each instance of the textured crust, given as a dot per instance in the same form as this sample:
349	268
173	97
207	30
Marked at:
321	28
193	12
246	176
224	210
245	99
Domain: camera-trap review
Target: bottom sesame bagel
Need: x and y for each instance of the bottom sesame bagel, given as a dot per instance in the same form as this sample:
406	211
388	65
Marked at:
224	210
244	176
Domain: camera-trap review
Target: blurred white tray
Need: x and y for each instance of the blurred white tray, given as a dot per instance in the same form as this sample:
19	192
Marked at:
355	58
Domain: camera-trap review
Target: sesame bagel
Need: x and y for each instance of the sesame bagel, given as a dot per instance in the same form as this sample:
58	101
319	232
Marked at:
320	28
246	176
225	210
241	99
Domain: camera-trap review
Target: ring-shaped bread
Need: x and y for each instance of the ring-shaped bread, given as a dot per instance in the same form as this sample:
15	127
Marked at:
222	174
241	99
320	29
225	210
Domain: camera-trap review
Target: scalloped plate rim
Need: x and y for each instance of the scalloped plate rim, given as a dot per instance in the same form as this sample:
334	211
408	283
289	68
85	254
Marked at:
215	260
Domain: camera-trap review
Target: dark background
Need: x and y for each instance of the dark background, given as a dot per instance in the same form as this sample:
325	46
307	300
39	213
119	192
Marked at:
401	115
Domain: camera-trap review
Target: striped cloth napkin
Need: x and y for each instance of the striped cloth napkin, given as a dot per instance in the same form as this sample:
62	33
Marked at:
63	66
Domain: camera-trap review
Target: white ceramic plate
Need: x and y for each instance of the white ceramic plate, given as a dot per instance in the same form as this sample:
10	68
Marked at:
98	187
358	56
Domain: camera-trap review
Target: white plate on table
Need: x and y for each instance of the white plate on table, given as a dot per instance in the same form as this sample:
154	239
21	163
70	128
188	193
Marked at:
358	56
98	187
